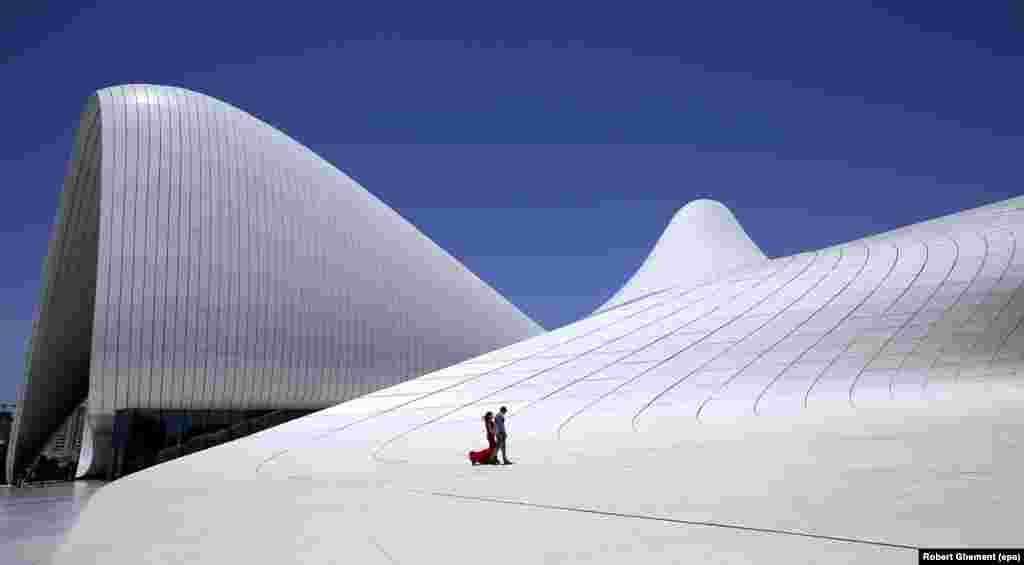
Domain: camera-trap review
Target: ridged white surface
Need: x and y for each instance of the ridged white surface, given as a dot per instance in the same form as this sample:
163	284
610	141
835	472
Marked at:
845	405
204	261
703	240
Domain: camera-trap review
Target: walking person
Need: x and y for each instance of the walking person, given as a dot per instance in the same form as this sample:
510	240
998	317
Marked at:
501	435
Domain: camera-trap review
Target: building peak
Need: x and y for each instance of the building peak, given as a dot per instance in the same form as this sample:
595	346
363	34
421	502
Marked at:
702	241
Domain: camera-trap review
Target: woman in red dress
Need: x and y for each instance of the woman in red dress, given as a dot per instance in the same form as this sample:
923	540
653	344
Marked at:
486	456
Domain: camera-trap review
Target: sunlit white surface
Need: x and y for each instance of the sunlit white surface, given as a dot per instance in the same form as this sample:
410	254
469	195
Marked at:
845	405
201	259
702	241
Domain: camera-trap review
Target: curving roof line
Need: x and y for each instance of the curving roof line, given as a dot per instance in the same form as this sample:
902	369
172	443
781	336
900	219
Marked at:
704	240
201	259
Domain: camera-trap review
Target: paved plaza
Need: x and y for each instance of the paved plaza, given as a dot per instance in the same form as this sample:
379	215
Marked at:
33	520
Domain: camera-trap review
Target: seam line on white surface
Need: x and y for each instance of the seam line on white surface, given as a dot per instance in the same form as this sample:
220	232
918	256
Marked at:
383	551
497	369
625	355
669	520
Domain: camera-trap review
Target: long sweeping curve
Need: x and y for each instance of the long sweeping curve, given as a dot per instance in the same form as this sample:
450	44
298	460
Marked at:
203	260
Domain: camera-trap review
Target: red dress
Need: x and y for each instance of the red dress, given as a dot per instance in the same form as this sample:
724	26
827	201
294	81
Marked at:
485	456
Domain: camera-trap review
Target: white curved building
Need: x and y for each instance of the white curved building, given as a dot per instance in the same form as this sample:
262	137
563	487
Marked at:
702	241
205	267
843	405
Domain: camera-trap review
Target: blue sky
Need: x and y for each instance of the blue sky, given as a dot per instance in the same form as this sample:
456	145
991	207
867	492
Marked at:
547	146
